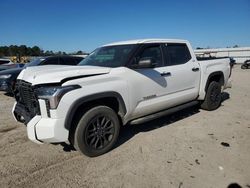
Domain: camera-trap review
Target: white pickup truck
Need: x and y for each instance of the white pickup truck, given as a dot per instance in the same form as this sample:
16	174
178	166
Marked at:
119	83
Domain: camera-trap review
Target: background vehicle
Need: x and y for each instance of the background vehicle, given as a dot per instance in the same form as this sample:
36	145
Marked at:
8	77
246	65
4	61
11	66
124	82
6	64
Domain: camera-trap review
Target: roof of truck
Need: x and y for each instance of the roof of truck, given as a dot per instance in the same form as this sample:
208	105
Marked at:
141	41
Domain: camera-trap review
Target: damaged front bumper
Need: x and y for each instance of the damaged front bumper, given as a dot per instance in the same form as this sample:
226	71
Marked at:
41	128
20	114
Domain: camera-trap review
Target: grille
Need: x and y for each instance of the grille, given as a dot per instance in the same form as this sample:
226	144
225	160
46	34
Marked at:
25	95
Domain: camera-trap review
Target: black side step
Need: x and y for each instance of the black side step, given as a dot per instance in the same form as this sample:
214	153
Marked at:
162	113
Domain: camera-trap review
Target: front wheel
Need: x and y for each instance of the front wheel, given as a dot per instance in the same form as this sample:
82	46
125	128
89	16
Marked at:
213	97
97	131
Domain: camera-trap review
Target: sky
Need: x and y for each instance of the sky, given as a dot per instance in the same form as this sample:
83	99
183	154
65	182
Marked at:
72	25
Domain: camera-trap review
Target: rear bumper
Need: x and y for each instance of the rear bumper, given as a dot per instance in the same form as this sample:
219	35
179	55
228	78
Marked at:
228	84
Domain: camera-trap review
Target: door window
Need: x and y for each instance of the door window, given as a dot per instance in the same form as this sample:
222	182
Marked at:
153	52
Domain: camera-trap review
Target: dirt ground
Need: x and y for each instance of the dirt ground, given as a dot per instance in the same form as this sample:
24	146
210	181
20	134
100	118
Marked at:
181	150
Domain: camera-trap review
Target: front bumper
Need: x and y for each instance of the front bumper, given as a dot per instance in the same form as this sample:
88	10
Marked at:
46	130
41	128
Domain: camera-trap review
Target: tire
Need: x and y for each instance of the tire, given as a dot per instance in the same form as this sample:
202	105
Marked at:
97	131
213	97
244	66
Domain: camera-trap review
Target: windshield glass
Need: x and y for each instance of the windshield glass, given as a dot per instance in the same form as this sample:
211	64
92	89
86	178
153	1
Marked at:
109	56
34	62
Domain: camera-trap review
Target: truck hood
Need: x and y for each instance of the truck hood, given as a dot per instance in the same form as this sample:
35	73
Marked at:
59	73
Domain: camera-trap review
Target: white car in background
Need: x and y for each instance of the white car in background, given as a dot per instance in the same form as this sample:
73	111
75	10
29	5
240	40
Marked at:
4	61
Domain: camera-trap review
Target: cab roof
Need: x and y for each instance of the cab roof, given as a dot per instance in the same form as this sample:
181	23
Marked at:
142	41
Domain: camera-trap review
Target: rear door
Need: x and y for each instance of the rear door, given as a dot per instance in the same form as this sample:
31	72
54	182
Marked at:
183	73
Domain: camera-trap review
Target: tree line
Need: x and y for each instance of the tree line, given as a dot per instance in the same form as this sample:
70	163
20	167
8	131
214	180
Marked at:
23	50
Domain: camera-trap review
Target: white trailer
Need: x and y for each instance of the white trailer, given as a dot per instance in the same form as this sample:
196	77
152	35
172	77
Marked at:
240	55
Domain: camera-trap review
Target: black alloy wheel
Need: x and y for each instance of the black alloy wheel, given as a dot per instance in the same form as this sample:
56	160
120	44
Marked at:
213	97
97	131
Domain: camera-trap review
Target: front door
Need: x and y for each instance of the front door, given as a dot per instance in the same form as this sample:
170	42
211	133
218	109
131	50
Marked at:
148	86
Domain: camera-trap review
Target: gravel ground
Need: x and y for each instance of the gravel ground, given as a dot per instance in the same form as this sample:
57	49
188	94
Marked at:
192	148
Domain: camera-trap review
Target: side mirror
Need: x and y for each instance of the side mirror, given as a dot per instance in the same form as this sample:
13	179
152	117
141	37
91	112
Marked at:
146	62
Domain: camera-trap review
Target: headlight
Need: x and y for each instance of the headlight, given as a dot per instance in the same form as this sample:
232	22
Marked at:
5	76
53	94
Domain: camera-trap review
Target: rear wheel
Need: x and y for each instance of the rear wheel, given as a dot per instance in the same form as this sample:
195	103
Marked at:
97	131
213	97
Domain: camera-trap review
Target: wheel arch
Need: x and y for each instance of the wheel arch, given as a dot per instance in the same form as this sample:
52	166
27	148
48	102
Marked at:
111	99
217	76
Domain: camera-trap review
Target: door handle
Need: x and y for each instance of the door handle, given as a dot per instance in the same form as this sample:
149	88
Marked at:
166	74
195	69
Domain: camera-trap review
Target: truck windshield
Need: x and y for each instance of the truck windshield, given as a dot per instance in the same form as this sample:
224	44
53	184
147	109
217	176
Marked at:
109	56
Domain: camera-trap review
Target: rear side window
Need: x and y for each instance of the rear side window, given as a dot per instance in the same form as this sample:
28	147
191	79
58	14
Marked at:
177	54
50	61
